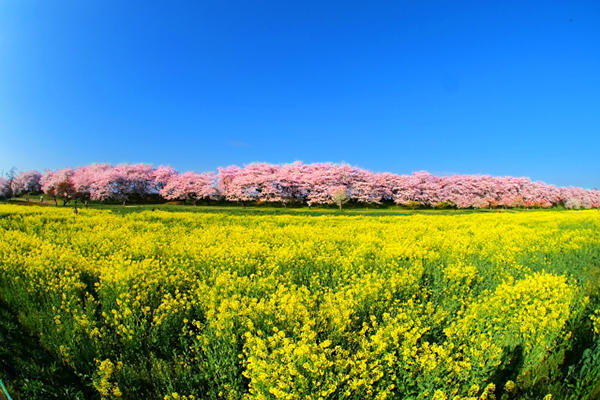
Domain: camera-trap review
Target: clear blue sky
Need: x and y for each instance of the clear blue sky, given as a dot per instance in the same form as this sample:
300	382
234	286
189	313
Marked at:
490	87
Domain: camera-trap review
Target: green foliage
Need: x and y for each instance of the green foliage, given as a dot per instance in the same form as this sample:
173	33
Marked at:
413	204
443	205
31	372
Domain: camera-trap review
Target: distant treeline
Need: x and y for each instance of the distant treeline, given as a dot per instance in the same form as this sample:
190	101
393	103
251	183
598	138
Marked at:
318	183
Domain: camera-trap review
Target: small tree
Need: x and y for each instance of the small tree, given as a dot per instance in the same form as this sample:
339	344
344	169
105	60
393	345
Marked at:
11	175
478	202
442	205
517	201
412	204
340	197
66	190
58	184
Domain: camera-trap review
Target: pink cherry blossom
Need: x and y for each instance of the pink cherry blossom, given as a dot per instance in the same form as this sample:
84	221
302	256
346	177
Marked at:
190	186
28	181
311	183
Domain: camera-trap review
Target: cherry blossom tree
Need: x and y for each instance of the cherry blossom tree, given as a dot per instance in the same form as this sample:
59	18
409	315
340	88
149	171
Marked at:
87	180
123	181
189	186
573	203
386	185
340	196
161	176
517	201
256	182
324	179
28	181
233	184
58	184
4	188
365	187
318	181
291	182
479	202
409	188
262	180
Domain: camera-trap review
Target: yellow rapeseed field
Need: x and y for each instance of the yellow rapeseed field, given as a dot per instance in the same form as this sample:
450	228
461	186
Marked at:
158	305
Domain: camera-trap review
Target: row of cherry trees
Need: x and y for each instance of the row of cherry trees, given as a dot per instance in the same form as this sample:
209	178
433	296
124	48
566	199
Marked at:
318	183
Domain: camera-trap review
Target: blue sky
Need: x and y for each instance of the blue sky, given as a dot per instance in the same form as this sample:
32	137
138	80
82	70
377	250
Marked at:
500	88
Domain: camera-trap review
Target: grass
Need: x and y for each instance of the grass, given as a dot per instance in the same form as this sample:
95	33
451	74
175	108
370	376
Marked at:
267	209
25	365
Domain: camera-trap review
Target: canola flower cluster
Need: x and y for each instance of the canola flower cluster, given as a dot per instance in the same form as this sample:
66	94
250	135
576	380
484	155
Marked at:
209	306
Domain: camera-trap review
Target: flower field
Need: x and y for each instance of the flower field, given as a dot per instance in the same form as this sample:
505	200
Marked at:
157	305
